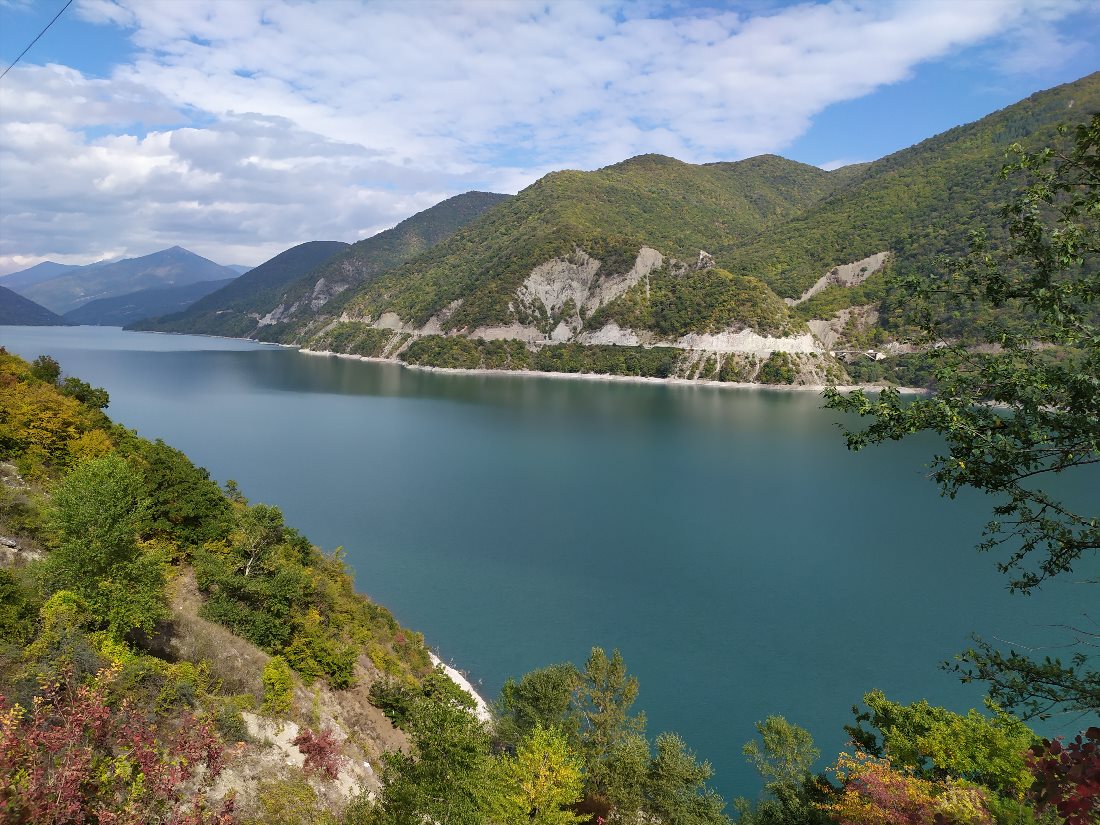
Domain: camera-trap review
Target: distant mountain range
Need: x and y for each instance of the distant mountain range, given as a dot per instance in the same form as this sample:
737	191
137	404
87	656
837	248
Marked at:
62	290
293	286
15	310
234	309
147	303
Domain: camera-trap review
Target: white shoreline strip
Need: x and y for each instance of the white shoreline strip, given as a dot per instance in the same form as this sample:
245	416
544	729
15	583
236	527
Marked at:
481	706
629	379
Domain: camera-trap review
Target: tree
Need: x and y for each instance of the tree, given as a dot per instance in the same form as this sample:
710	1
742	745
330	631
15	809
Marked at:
45	368
936	743
676	792
606	696
1024	406
543	779
543	697
449	777
97	512
784	757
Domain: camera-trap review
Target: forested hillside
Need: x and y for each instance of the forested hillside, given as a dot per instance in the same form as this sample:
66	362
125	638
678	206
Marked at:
726	266
234	308
298	282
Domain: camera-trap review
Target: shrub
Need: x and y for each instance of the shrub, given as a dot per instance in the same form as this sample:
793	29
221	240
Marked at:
278	684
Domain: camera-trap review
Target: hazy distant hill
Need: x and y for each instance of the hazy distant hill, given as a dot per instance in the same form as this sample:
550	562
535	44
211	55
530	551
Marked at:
15	310
35	274
126	309
233	309
169	267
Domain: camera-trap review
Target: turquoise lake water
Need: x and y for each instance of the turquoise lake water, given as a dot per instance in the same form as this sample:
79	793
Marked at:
724	540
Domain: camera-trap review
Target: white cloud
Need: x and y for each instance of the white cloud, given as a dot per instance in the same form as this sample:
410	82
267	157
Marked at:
255	125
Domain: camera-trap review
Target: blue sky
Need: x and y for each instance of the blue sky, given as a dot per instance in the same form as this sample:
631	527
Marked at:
238	128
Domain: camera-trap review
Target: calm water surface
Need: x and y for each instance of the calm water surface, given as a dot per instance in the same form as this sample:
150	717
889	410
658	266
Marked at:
724	540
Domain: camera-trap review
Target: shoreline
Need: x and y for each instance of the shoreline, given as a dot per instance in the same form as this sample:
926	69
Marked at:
481	707
629	379
579	376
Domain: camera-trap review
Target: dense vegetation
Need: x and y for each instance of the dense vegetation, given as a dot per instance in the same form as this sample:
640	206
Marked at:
710	300
764	218
673	206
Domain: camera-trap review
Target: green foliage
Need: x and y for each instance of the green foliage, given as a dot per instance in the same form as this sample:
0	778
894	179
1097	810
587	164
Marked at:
18	609
936	743
97	512
675	787
1011	414
544	778
450	776
605	698
646	362
916	369
832	299
710	300
94	397
779	368
352	337
451	352
184	504
784	758
542	698
45	368
738	368
270	585
458	352
278	685
289	801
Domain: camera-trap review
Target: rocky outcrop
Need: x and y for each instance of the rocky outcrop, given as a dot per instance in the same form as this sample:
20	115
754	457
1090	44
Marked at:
851	274
748	342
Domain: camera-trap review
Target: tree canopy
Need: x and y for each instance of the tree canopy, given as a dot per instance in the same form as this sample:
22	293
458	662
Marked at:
1021	404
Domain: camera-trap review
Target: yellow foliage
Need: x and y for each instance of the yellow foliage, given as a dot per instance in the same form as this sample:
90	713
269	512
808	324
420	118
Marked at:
876	793
91	444
44	431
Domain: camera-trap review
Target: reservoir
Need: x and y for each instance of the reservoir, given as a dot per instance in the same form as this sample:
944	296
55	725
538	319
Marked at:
743	561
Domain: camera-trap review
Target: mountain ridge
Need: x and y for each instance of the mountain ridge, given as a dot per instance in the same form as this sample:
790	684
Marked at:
174	266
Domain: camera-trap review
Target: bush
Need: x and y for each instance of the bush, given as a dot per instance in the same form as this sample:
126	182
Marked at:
278	684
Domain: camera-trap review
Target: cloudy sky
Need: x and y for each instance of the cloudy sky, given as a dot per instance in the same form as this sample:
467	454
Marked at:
238	128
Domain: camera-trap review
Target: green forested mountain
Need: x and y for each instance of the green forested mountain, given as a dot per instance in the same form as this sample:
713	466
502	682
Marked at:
751	270
19	311
917	203
232	309
651	200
